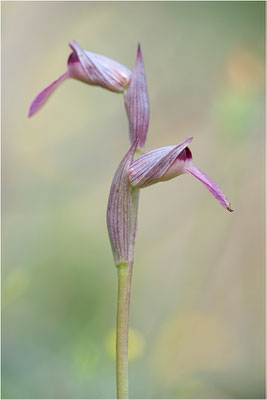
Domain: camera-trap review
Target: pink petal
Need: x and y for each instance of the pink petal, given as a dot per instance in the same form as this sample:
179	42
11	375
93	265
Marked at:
137	102
178	167
76	70
42	97
151	167
211	186
101	70
119	211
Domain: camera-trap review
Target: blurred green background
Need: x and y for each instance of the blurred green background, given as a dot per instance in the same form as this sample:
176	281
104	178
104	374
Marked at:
198	288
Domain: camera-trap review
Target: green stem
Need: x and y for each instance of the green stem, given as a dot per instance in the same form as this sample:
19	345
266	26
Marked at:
123	307
122	338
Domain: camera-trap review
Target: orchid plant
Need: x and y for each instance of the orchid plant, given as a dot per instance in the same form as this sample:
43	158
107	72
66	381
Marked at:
136	171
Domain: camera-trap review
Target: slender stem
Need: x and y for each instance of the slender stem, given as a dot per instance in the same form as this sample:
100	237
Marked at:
123	307
122	338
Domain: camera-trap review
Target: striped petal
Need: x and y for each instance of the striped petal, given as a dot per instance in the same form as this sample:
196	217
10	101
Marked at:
137	102
99	70
155	166
90	68
119	211
168	162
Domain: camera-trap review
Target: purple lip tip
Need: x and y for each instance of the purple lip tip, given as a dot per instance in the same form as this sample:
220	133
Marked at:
229	208
30	114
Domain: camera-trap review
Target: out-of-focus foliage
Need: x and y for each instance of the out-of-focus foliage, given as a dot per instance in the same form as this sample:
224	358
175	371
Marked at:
198	286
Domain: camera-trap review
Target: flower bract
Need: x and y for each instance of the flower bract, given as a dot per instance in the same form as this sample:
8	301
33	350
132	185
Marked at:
119	210
137	103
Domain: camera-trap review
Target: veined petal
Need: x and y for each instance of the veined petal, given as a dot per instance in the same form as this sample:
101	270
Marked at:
119	211
137	102
99	70
90	68
42	97
211	186
168	162
155	165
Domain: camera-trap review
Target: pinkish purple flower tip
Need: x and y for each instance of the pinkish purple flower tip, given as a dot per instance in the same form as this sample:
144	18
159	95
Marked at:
139	53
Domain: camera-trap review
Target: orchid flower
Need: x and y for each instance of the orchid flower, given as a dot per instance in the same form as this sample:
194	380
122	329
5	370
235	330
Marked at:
90	68
132	174
155	166
168	162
